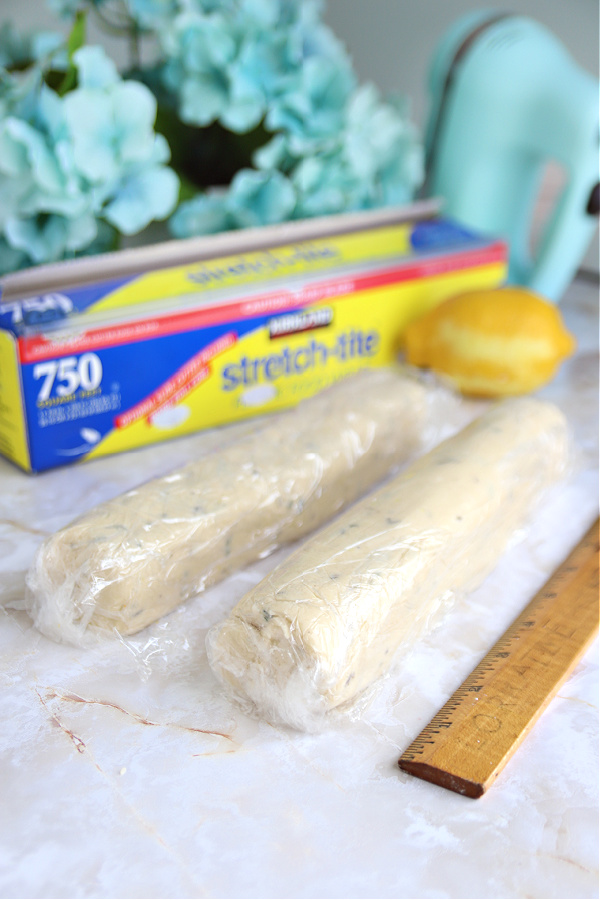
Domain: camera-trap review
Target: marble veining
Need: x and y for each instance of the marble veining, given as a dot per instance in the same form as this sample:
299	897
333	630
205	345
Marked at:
125	772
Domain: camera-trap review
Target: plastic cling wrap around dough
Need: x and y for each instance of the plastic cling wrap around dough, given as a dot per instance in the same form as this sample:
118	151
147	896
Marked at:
131	560
326	623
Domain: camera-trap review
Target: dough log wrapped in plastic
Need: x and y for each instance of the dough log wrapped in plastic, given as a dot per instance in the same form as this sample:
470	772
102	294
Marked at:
131	560
326	623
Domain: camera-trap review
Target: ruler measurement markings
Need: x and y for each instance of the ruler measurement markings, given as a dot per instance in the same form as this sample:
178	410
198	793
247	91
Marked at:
468	742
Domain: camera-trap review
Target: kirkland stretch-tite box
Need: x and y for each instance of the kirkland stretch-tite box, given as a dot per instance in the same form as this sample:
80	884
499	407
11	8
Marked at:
97	368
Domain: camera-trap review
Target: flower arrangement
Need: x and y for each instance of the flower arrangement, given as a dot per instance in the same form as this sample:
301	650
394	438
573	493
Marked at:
250	113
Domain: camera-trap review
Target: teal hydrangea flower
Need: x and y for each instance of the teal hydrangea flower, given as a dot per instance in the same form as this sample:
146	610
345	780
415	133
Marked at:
336	145
200	48
230	61
272	74
70	166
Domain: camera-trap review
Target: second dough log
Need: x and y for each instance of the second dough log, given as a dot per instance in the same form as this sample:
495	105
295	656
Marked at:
327	622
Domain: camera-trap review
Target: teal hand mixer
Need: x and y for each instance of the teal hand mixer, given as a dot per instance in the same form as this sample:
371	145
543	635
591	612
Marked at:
506	102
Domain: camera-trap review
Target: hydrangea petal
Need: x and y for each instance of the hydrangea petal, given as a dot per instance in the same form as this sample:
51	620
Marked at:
245	108
202	100
261	13
24	155
143	197
316	106
161	152
94	68
202	41
80	232
88	114
13	193
206	214
13	153
273	154
261	198
262	64
50	113
42	241
67	202
133	115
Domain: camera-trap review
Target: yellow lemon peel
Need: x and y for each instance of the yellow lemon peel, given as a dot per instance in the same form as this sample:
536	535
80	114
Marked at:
491	343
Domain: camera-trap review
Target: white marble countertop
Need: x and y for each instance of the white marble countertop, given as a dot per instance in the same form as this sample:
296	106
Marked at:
126	773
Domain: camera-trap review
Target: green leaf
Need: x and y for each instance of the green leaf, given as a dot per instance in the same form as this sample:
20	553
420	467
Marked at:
75	40
187	188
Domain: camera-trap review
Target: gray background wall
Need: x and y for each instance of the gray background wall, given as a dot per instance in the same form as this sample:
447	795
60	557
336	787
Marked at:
392	41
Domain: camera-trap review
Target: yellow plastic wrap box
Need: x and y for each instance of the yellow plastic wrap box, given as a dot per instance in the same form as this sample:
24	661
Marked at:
135	357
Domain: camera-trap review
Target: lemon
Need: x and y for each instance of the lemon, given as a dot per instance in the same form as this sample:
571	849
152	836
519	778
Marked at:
491	343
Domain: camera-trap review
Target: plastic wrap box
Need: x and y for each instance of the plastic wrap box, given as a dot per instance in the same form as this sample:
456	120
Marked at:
135	348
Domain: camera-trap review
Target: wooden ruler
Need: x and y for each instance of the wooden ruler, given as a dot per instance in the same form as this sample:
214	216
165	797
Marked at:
468	743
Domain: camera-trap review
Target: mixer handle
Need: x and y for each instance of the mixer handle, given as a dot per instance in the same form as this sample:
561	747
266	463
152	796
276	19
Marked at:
593	207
